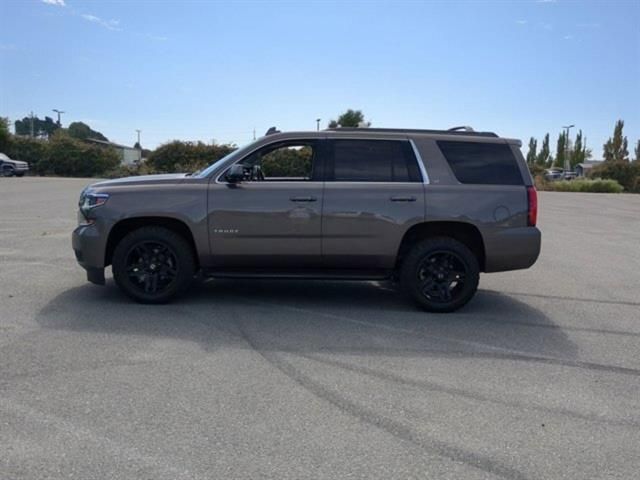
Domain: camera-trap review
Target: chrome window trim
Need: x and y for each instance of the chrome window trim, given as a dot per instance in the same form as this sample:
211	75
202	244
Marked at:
423	169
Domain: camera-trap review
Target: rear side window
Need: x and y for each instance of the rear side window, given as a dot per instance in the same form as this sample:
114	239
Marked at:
482	163
373	161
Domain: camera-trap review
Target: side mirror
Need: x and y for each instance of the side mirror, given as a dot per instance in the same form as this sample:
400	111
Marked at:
235	174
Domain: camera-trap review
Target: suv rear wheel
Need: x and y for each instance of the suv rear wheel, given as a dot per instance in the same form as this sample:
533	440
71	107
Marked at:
153	264
440	273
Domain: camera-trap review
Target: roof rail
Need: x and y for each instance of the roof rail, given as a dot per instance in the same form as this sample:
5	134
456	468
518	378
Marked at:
463	128
455	131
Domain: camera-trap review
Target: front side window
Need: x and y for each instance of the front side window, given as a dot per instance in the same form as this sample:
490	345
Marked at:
281	162
373	161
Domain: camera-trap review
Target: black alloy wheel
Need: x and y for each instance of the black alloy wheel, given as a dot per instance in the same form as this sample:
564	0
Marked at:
440	273
441	276
153	264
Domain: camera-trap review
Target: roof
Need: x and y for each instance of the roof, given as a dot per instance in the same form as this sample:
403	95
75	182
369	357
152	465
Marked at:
381	133
457	131
109	144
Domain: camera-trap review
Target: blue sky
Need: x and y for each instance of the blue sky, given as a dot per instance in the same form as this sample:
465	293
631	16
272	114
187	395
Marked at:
196	70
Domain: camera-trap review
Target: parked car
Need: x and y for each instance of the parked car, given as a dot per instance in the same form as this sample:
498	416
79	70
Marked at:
552	174
11	168
428	208
568	175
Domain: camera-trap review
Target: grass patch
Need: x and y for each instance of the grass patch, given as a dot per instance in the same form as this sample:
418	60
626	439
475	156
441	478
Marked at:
596	185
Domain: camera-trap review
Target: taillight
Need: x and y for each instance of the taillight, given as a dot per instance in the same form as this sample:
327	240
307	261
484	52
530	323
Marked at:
532	200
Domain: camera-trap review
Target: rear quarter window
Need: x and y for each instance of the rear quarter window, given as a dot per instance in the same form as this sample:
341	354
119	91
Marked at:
482	163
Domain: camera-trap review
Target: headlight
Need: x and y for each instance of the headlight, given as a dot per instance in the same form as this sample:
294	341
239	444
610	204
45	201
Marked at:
89	201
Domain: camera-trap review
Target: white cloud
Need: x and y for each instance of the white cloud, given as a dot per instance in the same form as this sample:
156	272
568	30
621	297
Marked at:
110	24
568	37
521	22
57	3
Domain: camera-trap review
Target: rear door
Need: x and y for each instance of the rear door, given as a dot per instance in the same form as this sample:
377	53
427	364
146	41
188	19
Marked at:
374	192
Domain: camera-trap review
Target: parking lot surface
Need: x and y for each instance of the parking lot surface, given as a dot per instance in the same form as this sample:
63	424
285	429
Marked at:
538	377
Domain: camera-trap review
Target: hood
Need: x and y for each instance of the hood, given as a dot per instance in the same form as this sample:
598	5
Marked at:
18	163
143	180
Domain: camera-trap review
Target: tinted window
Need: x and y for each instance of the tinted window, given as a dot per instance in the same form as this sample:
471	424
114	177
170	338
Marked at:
282	162
374	161
482	163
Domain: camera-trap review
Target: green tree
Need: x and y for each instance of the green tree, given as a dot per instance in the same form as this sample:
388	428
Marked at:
616	148
41	128
5	135
177	156
82	131
638	151
624	172
532	154
68	156
30	150
562	146
580	152
544	157
350	118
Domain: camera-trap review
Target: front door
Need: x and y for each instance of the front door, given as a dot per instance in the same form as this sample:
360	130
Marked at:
273	218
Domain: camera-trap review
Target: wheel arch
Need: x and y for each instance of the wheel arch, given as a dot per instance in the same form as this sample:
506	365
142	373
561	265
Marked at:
124	226
464	232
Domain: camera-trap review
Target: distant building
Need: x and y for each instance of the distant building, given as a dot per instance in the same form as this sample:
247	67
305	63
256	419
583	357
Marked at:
583	169
128	155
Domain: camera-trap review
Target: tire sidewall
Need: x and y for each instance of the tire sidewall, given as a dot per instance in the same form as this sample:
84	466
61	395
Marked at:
184	256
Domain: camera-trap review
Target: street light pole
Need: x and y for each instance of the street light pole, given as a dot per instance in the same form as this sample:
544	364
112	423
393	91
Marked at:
567	164
318	124
59	112
139	147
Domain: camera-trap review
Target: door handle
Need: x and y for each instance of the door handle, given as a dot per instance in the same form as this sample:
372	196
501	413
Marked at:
302	199
402	199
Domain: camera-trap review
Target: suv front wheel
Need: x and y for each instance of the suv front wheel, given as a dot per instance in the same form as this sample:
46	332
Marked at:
440	273
153	264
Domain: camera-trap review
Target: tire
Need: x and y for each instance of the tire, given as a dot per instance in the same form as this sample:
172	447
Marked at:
441	274
19	174
7	171
153	265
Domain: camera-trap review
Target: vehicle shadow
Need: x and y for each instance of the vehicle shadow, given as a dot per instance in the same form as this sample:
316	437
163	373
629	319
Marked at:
315	317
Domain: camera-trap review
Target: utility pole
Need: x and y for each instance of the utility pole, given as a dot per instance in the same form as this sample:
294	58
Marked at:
318	124
567	163
59	112
139	147
31	125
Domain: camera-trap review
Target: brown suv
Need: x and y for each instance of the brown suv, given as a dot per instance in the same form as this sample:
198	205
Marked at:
429	208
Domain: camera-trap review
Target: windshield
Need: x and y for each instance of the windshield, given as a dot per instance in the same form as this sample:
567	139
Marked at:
227	158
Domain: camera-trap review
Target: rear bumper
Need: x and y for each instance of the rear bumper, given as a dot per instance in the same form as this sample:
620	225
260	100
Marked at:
512	249
89	248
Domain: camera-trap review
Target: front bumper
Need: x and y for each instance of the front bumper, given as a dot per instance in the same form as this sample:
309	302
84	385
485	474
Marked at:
89	247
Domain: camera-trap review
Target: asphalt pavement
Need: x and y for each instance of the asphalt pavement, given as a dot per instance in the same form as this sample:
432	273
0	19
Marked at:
537	378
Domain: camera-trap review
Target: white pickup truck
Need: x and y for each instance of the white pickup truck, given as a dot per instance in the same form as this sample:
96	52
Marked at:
11	168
